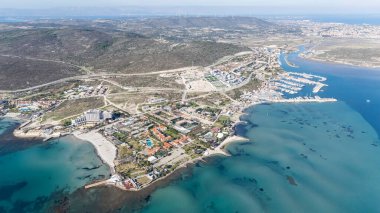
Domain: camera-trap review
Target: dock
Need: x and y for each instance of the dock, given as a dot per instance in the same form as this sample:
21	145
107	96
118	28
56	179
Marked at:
318	87
100	183
305	100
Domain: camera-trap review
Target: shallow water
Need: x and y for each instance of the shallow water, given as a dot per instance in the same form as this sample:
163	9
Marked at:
356	86
302	158
6	124
29	177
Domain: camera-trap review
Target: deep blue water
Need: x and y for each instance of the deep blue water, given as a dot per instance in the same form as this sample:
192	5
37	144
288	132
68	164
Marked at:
348	19
302	157
356	86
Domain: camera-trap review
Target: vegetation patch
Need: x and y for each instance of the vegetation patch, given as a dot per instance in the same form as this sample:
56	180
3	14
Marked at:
71	108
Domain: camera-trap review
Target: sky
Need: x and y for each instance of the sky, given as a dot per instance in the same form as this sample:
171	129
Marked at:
306	5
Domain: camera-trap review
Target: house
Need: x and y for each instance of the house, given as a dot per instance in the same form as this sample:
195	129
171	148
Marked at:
167	145
129	184
180	141
208	136
157	131
215	130
151	151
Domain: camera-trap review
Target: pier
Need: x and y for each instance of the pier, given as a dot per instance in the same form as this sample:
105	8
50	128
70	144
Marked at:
318	87
100	183
316	99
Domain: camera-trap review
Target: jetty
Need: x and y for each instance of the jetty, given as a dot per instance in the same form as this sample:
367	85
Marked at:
100	183
318	87
316	99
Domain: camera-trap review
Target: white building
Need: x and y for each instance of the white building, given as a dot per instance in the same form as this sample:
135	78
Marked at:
93	116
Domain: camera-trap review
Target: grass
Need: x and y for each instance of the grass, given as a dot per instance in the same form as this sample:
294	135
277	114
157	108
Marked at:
223	121
70	108
144	180
126	169
172	132
215	100
124	151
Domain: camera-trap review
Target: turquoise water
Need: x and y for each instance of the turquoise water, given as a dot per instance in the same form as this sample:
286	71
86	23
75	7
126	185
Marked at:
6	124
302	158
149	142
31	176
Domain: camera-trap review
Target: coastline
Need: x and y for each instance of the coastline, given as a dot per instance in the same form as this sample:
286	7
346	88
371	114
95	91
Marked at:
219	150
105	149
17	133
288	62
138	197
11	115
338	62
14	116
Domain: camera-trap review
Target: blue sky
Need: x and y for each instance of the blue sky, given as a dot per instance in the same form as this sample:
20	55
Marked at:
308	5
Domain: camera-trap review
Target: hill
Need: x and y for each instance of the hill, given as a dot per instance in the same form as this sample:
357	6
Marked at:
203	22
53	50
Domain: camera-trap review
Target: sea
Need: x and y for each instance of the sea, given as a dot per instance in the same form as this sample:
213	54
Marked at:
371	19
36	175
309	157
352	19
319	157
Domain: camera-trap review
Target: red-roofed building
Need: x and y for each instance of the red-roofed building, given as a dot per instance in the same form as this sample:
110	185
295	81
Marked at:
129	184
215	130
167	145
151	151
157	132
180	141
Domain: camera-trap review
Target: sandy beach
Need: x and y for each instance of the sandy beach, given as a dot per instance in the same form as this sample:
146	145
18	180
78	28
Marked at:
105	149
221	148
12	115
185	165
137	197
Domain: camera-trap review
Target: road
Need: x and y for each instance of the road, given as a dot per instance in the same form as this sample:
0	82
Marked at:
97	76
185	91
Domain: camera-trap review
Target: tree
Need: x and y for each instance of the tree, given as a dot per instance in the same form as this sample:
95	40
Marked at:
66	123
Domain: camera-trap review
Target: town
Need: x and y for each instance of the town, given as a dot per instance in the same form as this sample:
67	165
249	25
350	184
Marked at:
145	133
